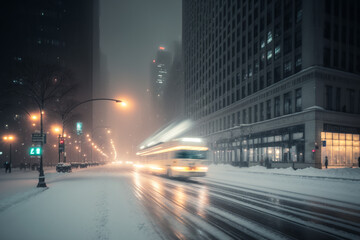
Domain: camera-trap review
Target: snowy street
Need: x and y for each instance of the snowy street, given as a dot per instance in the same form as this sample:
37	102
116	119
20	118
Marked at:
113	202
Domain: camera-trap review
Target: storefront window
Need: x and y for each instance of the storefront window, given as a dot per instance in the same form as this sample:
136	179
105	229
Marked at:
281	145
328	135
298	135
263	153
278	154
245	155
286	154
251	155
277	138
341	149
271	153
293	153
286	137
257	154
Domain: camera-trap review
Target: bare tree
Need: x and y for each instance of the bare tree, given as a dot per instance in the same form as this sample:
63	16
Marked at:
46	85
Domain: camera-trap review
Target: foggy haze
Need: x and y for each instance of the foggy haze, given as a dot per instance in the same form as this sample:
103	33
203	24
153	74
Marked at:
130	33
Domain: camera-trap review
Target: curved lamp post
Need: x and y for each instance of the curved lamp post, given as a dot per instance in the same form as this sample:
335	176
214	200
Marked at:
65	114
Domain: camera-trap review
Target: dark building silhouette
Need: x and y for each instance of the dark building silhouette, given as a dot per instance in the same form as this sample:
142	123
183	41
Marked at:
274	79
54	32
174	89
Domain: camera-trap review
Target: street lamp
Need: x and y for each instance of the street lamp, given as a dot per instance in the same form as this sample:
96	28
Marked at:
65	114
10	139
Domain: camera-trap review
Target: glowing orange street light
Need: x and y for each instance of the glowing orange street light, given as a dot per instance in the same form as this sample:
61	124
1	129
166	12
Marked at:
56	129
10	139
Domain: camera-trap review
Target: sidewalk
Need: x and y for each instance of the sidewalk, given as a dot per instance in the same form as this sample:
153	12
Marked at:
333	173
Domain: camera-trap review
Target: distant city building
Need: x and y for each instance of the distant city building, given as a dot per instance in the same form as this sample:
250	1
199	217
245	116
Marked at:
50	31
159	76
274	81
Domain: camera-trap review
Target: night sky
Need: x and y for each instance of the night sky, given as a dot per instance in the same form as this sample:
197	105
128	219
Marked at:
130	33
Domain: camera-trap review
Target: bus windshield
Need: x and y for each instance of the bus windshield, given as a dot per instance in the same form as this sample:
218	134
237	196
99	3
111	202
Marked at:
191	154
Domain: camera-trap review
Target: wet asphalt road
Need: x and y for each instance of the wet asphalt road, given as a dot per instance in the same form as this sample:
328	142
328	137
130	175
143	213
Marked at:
202	208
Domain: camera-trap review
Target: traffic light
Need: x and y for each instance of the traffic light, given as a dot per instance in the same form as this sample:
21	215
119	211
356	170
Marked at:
79	126
61	144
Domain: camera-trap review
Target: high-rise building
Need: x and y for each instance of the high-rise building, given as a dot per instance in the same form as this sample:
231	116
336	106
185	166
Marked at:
52	32
159	76
274	80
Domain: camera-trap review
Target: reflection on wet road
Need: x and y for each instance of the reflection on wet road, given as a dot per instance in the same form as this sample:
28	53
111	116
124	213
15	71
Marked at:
206	209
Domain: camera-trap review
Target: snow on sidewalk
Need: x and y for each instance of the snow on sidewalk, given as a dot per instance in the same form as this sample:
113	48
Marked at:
93	204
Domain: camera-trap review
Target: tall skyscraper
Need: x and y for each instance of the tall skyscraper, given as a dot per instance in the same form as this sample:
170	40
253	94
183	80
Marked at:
52	32
274	80
159	76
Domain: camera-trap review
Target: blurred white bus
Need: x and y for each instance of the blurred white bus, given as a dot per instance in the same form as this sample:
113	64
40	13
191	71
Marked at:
184	157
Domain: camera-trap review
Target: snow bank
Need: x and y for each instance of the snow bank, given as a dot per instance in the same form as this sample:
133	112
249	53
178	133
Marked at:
339	173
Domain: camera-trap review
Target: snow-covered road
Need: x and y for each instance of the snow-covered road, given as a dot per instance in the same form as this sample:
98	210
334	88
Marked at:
111	202
234	203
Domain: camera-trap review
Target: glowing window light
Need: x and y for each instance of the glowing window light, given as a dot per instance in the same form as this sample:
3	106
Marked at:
198	140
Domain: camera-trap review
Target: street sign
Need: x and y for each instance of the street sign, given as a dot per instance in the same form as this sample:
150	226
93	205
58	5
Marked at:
35	151
36	137
324	143
79	128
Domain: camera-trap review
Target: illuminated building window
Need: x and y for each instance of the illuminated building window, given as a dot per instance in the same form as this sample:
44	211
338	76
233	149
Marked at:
277	52
262	43
269	55
269	37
